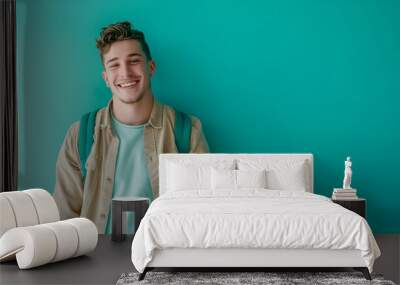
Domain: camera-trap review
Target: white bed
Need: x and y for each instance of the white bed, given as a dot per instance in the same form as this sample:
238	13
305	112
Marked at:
268	217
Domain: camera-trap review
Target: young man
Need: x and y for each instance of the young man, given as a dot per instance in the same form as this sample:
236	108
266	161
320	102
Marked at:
129	134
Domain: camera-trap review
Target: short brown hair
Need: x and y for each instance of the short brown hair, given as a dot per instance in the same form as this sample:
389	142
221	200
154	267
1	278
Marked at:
119	32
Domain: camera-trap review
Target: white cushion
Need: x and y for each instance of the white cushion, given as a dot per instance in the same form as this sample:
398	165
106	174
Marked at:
23	208
223	179
67	237
45	205
40	244
282	174
7	220
226	179
182	177
26	208
32	246
251	178
87	235
188	175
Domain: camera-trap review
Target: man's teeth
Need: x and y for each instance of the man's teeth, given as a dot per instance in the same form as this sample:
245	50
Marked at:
127	84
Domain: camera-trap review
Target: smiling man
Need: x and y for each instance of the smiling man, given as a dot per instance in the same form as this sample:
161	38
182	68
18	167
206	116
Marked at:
128	134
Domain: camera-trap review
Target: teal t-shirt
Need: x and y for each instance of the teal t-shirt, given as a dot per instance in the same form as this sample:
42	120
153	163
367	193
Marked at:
131	173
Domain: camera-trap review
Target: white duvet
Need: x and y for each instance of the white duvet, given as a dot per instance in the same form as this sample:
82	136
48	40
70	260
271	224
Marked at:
250	218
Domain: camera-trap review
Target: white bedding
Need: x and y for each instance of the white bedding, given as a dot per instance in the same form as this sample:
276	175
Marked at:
250	218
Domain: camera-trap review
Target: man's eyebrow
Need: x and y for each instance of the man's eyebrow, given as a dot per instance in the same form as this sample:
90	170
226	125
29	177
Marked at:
111	60
134	54
129	55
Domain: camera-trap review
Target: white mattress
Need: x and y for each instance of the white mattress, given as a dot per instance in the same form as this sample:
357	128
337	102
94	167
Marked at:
250	219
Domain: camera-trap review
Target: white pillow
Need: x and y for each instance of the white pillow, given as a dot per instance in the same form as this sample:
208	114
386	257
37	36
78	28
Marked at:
181	177
187	174
282	174
251	178
223	179
237	179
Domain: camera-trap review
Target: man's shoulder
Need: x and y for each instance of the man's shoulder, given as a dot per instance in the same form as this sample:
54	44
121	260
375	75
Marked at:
170	112
74	127
100	118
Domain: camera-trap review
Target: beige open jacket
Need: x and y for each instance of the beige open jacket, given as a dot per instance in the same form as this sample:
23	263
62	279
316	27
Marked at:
92	199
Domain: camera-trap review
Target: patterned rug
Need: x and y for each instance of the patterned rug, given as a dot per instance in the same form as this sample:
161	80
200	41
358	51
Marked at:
270	278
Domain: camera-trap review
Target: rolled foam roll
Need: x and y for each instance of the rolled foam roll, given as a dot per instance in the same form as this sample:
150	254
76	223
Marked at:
23	208
7	218
67	240
87	234
45	205
33	246
40	244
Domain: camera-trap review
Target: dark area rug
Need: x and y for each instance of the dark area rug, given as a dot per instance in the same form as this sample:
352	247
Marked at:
229	278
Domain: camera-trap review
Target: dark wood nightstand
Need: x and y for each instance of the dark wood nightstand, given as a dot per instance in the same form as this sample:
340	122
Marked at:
139	205
357	205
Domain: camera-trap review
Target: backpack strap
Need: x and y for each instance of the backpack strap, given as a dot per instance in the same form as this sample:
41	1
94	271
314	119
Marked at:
85	138
182	132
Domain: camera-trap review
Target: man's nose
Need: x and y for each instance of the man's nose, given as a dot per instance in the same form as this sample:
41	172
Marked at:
125	70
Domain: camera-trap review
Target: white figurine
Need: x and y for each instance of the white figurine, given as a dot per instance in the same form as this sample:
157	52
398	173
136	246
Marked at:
347	174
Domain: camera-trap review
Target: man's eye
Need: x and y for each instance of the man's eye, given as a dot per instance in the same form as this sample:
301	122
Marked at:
134	61
113	66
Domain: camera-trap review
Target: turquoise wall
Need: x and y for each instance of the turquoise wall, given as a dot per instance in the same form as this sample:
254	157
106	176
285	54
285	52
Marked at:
264	76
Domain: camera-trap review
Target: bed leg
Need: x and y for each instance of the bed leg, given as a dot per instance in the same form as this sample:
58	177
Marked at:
143	274
364	271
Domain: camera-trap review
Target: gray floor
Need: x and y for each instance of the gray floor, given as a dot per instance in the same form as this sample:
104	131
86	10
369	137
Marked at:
389	262
102	266
110	260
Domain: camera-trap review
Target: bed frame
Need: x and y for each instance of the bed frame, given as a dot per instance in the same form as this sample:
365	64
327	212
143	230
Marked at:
237	259
244	259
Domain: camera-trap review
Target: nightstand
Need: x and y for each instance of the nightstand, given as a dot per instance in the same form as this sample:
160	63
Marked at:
356	205
139	205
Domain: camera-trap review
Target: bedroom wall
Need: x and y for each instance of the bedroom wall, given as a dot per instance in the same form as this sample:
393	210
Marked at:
264	77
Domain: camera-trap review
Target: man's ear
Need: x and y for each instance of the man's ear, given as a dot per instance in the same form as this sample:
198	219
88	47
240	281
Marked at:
105	78
152	66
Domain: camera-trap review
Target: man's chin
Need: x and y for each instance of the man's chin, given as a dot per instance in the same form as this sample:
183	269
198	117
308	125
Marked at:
130	100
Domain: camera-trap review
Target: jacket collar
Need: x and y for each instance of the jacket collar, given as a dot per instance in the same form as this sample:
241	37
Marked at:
155	119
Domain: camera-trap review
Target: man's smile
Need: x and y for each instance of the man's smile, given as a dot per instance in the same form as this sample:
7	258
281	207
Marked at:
127	84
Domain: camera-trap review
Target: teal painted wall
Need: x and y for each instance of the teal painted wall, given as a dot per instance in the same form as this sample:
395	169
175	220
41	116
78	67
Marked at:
264	76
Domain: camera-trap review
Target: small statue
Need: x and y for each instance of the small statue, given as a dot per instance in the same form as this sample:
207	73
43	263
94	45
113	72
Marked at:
347	173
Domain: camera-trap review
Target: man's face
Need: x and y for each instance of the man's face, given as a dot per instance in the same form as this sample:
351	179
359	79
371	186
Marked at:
127	71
